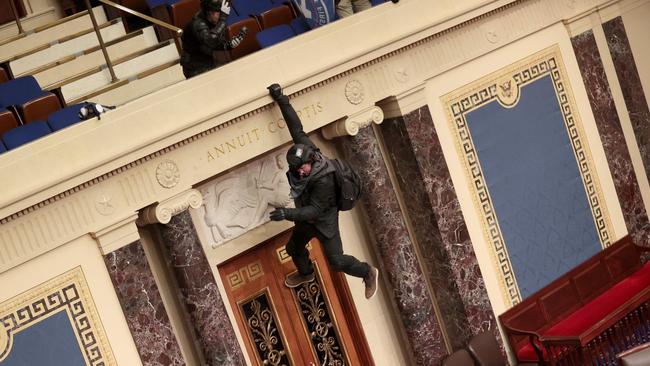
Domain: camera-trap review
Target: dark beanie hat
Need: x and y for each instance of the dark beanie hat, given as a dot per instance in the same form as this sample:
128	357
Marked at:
211	5
298	155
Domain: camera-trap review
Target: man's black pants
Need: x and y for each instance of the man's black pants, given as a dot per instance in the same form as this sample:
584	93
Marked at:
333	248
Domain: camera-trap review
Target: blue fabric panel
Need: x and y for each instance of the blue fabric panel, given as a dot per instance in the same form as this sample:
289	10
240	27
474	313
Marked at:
252	7
316	12
25	133
19	91
48	342
537	192
269	37
2	147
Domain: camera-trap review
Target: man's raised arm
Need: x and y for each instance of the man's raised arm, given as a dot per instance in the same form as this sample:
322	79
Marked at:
290	116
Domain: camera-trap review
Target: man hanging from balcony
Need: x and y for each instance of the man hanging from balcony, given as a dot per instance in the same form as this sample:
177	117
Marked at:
314	191
205	34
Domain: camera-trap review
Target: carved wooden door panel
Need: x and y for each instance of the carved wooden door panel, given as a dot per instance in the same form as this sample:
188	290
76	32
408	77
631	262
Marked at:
315	322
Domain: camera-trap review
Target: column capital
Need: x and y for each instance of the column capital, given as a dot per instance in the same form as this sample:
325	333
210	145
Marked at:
163	211
404	103
117	235
350	126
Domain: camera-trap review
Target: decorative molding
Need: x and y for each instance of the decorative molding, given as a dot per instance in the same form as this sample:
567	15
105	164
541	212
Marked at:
68	292
458	103
167	174
354	92
241	200
162	212
350	126
117	235
404	103
245	274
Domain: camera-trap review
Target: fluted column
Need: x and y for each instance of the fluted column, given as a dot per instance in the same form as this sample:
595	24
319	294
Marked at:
611	134
138	294
199	292
396	250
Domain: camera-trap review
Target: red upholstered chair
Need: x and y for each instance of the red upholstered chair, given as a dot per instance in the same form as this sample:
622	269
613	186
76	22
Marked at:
39	108
182	12
3	75
8	121
459	358
249	44
279	15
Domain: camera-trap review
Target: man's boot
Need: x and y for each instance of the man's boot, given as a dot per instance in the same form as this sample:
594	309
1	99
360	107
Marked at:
296	279
371	281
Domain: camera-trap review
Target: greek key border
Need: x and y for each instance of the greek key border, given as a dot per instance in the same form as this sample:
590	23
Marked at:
68	292
458	103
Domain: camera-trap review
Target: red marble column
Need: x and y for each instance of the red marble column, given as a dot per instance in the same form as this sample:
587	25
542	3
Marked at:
611	134
143	307
396	251
443	238
199	292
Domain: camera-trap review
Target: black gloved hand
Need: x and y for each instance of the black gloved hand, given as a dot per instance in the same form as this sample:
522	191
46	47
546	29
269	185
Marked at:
275	90
278	214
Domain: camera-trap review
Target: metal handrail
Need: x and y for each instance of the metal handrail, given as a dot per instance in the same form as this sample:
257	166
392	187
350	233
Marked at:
178	32
16	17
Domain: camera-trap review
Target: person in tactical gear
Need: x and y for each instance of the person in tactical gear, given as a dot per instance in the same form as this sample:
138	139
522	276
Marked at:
206	33
314	191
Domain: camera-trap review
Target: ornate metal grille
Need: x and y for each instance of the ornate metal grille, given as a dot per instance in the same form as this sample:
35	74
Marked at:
264	332
321	327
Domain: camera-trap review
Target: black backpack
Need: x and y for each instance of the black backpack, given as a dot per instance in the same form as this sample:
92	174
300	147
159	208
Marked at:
348	184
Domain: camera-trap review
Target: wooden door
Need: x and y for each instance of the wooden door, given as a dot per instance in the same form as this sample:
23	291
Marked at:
313	323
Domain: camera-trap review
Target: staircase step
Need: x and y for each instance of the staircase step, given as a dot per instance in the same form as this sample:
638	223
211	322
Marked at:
147	82
9	31
124	69
109	31
50	33
93	57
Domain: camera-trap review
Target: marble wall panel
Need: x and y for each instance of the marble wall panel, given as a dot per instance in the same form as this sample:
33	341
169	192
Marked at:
395	249
143	307
199	292
611	135
418	129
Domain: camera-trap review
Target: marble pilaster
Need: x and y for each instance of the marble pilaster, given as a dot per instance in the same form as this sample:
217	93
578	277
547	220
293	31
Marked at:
396	250
443	241
611	135
143	306
199	292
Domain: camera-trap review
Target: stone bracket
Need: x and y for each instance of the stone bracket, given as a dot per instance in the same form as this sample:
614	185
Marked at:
117	235
162	212
350	126
404	103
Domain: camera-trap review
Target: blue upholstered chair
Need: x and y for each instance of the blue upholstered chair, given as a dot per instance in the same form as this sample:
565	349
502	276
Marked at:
299	25
64	117
269	37
2	147
25	133
376	2
252	7
30	100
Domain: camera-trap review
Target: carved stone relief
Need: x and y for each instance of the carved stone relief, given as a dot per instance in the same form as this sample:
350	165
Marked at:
242	199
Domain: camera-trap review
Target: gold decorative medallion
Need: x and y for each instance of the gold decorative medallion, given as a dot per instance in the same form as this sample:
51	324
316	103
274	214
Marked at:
507	91
354	92
168	174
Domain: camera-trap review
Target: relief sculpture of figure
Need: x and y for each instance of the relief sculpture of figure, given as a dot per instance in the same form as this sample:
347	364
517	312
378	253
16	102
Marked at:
314	192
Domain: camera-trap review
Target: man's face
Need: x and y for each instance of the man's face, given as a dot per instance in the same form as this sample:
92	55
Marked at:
304	170
213	17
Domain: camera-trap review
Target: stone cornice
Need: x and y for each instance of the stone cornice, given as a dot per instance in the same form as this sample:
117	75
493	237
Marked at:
129	179
117	235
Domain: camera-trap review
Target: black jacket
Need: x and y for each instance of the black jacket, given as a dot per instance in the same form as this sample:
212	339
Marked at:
314	195
200	39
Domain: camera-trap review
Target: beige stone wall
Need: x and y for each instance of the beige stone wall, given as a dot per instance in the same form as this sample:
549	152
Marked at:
100	173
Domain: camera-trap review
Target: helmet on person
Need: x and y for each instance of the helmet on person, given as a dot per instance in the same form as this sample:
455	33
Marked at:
211	5
300	154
